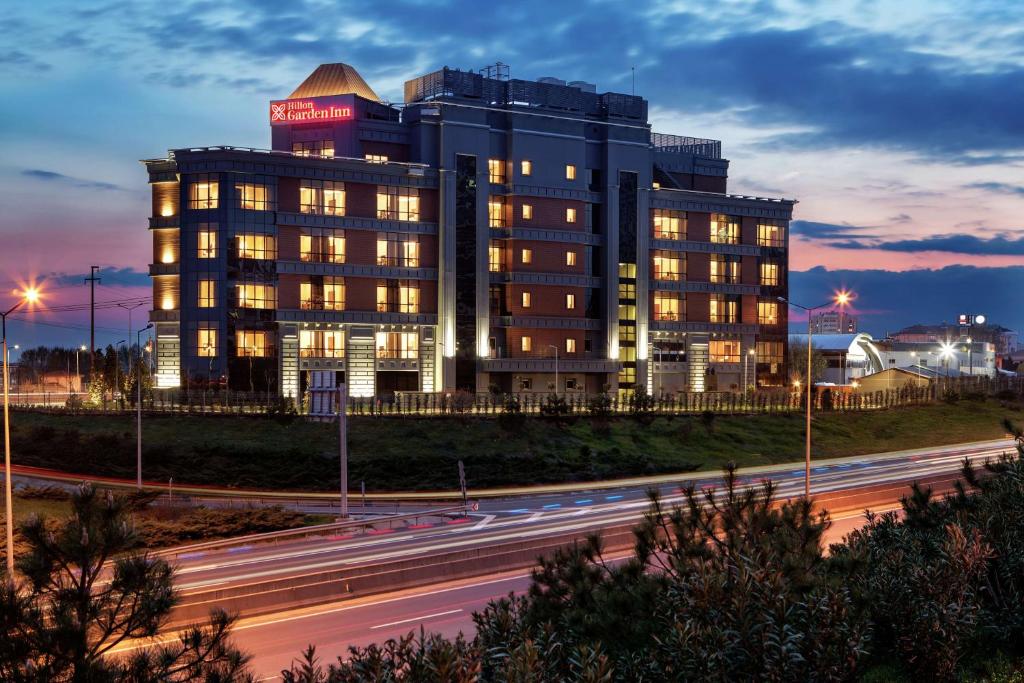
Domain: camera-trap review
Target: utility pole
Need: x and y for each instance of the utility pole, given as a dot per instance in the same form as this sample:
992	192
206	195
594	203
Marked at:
92	280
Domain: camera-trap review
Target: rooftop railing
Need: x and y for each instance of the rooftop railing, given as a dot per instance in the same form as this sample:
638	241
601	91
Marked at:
681	144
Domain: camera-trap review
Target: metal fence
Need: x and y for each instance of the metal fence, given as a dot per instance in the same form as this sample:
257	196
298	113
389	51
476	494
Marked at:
461	403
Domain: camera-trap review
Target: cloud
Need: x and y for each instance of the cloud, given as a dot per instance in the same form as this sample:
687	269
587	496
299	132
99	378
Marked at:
17	58
54	177
998	188
1000	245
110	276
816	230
889	300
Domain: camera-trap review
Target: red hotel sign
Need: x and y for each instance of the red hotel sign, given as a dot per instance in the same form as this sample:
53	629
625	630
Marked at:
310	110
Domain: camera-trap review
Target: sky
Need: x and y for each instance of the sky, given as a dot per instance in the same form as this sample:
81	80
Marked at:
897	125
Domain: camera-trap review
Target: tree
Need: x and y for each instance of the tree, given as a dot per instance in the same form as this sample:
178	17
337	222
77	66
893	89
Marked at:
798	362
85	592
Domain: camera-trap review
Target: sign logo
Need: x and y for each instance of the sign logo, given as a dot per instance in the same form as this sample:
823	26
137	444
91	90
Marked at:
311	110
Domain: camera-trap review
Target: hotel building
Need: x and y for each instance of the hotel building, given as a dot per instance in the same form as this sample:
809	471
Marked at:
488	234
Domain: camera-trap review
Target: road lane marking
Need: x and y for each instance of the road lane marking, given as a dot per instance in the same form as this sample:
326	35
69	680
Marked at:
423	618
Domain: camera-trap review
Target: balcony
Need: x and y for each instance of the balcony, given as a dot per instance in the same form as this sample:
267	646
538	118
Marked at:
540	362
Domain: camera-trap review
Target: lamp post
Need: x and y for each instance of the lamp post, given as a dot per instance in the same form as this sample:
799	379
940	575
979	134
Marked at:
659	369
556	366
841	299
746	368
117	371
78	368
128	347
138	406
29	296
343	447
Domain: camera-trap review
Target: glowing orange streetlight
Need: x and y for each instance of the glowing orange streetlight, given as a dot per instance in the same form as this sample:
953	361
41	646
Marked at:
841	299
29	296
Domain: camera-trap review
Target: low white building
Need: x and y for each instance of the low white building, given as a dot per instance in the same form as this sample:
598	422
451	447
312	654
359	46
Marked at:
848	356
959	357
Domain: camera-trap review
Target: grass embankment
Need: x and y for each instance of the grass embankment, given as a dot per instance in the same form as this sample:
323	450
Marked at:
408	454
160	527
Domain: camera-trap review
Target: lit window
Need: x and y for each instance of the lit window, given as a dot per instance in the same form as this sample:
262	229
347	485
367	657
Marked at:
527	212
207	293
724	351
496	212
398	345
203	192
570	301
725	229
771	233
253	343
724	309
667	306
725	269
256	295
570	215
325	295
207	244
315	148
667	265
398	249
322	197
322	245
627	270
570	258
669	225
253	196
570	345
398	296
526	344
771	353
496	171
570	172
767	313
527	255
494	257
206	341
526	167
769	273
398	203
255	246
377	158
322	343
527	299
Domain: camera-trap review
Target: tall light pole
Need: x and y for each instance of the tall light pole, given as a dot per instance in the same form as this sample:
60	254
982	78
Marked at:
556	366
657	375
128	348
29	296
746	368
117	370
138	406
78	368
841	299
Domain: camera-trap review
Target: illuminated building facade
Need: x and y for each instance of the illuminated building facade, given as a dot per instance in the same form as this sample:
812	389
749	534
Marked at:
485	234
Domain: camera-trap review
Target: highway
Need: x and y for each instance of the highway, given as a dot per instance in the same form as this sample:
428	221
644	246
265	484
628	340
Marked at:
849	486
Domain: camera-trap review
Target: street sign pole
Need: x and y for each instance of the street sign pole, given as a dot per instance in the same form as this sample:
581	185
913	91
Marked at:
462	482
343	447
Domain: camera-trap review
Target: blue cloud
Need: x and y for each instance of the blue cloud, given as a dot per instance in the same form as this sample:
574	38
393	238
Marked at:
1000	245
891	300
998	188
53	176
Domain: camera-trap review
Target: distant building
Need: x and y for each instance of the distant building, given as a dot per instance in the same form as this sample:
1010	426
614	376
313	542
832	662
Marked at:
833	322
961	357
1003	339
848	357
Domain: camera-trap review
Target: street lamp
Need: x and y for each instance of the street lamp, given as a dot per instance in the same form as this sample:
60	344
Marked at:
29	296
117	371
138	406
746	368
659	369
840	299
78	369
552	346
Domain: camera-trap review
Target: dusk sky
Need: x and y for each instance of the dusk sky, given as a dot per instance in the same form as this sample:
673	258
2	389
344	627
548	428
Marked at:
899	126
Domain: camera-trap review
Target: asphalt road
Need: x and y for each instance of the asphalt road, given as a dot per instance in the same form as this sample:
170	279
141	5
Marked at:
851	485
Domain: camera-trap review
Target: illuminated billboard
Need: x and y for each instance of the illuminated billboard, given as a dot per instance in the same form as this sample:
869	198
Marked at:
311	110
